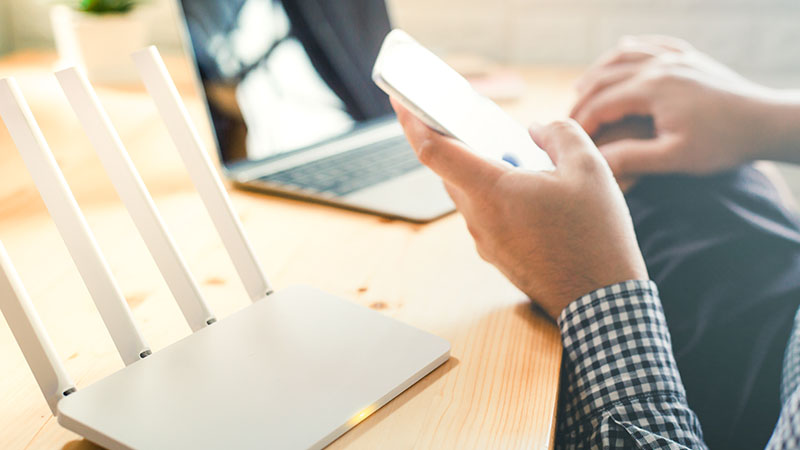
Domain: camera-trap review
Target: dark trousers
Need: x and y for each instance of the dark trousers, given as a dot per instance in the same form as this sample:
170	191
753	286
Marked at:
725	254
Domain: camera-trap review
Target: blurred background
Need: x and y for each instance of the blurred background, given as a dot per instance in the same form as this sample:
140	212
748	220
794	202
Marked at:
757	37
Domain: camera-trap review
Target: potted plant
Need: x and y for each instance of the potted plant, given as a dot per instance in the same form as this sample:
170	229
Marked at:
99	36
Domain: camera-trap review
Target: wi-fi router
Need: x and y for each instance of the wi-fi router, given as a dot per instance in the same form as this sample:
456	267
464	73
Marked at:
293	370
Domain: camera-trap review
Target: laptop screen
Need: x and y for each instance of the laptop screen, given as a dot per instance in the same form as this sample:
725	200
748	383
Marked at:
280	75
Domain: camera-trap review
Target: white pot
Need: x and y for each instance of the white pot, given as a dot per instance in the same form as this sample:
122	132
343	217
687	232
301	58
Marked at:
99	43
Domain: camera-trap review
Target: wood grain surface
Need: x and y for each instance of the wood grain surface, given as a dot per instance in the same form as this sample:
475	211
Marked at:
498	390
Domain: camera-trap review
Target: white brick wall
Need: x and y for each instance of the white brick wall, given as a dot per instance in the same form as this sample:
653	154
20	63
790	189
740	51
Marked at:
760	37
5	29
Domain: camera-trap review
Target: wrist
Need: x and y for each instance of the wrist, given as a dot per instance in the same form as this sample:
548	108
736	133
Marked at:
776	127
574	293
615	270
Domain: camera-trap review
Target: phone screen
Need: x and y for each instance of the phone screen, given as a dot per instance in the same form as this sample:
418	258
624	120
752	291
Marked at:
429	87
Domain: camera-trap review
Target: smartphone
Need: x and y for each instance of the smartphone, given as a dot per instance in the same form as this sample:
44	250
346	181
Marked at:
446	102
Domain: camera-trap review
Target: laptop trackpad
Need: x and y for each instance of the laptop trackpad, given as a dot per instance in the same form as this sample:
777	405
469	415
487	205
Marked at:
417	195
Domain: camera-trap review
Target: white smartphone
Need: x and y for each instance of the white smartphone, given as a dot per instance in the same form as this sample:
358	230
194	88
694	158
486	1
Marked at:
446	102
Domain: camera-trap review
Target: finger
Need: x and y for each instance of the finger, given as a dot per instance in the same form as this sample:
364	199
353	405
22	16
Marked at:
459	198
565	142
597	76
669	43
638	49
626	183
623	54
602	79
465	205
611	105
450	159
631	157
472	214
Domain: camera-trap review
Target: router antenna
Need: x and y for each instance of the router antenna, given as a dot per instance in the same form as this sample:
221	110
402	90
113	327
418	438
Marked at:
204	176
134	194
31	336
71	223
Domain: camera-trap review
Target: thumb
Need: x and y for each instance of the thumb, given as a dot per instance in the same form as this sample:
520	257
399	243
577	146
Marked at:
564	141
640	156
449	158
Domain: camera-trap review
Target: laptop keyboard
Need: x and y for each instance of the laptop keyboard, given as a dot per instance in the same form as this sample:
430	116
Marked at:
353	170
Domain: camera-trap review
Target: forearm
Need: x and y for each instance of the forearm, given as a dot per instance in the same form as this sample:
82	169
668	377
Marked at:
621	386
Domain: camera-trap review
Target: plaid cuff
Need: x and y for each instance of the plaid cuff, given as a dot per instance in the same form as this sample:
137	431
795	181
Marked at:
787	432
617	350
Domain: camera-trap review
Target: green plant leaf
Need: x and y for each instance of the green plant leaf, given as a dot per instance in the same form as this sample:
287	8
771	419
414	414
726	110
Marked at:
106	6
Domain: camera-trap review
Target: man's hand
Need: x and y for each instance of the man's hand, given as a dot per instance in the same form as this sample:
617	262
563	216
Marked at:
706	117
556	235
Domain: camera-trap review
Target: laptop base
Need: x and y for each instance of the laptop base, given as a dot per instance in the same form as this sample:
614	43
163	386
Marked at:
294	370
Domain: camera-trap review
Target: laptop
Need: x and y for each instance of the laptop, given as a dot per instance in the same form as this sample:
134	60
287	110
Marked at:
293	108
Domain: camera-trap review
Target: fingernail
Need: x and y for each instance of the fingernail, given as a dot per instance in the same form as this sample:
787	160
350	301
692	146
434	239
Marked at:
534	126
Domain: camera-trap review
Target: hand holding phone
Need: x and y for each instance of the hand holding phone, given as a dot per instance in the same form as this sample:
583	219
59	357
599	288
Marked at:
446	102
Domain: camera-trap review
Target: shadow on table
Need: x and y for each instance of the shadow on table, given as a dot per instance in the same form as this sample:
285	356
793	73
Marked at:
80	444
396	403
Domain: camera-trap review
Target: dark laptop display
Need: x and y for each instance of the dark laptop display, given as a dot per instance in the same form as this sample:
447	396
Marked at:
294	109
282	75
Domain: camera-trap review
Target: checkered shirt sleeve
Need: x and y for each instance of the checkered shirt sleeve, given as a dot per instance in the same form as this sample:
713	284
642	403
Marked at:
790	378
621	387
787	432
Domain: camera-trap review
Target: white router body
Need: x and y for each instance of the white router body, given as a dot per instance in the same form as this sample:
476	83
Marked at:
294	370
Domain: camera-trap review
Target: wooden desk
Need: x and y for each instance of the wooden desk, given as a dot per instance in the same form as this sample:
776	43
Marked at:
497	391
